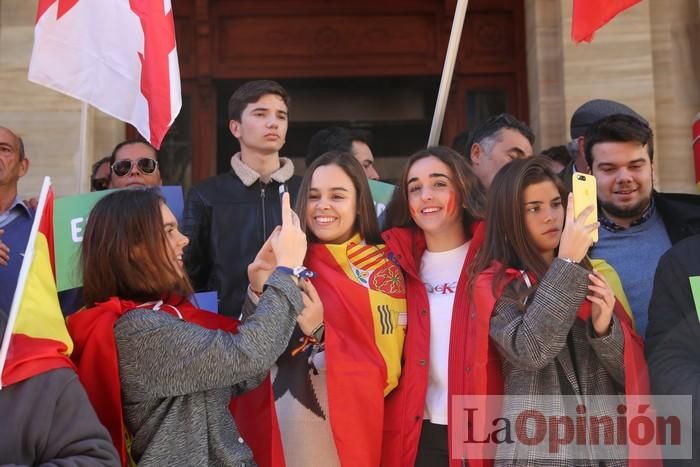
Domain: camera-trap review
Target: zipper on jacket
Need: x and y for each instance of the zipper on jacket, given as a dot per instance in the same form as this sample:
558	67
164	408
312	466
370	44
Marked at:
264	220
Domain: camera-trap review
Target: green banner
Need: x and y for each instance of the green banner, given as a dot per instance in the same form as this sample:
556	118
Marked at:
70	214
695	288
381	194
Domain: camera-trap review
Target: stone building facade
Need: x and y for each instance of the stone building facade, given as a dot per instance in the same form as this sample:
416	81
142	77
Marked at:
648	57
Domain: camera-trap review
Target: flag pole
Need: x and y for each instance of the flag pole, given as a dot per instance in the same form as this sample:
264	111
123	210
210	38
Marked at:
82	155
447	72
23	274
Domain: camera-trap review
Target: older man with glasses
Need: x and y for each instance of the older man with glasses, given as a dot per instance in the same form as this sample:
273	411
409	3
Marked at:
133	163
495	142
16	216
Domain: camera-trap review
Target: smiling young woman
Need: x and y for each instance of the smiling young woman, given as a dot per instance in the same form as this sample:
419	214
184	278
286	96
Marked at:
435	230
345	356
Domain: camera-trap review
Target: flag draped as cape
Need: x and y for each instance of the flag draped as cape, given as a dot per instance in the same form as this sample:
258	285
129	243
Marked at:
95	355
363	296
637	389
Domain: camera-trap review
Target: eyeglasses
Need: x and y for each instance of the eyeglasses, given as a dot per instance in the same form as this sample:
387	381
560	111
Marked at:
146	166
99	184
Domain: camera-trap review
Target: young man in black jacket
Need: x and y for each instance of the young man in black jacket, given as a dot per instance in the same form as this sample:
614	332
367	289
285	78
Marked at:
228	217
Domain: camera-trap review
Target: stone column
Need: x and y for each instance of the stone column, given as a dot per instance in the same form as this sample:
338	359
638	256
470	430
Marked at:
675	29
616	65
543	30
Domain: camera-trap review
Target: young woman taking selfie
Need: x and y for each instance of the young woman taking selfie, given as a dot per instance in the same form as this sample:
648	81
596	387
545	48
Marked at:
554	321
159	371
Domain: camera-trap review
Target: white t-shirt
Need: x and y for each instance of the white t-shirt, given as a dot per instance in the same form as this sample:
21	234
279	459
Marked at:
440	273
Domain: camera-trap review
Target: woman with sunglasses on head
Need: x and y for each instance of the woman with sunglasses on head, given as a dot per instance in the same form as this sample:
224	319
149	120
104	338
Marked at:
434	233
329	385
159	371
99	179
134	163
555	322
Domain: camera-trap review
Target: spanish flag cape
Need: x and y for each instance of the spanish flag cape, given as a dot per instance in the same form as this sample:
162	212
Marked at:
637	389
363	296
95	354
35	340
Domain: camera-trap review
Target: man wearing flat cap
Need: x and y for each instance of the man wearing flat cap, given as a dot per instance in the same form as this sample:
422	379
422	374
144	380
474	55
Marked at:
637	223
586	115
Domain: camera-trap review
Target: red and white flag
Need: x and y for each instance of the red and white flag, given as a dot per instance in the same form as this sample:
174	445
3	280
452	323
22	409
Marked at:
590	15
117	55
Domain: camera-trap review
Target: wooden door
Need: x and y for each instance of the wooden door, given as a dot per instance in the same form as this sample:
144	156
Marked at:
226	41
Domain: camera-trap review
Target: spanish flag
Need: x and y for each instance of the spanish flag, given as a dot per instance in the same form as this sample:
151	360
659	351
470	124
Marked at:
364	296
364	300
36	339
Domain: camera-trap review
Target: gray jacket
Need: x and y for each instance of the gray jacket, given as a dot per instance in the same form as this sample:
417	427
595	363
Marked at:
47	420
178	378
547	351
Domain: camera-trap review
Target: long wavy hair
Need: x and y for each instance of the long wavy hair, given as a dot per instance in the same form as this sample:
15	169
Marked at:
507	240
125	252
471	198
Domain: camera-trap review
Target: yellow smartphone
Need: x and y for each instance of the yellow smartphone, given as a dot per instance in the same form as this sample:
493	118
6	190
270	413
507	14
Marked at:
584	189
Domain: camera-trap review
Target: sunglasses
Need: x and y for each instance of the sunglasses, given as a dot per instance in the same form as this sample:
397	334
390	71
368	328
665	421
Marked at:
145	165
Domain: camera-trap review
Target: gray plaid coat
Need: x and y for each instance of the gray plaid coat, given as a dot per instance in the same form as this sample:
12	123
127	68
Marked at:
547	351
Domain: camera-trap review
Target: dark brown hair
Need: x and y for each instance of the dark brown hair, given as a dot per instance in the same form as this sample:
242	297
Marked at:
366	222
489	132
558	154
125	252
471	197
251	92
507	240
618	128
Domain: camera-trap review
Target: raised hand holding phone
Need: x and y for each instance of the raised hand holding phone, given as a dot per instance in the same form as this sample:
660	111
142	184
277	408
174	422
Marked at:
576	237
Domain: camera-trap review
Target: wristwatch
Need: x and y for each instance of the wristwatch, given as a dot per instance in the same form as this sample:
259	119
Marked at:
300	272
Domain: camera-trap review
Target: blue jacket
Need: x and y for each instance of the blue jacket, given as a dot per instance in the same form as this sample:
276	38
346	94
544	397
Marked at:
15	237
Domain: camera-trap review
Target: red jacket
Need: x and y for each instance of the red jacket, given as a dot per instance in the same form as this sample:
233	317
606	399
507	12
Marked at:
471	371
